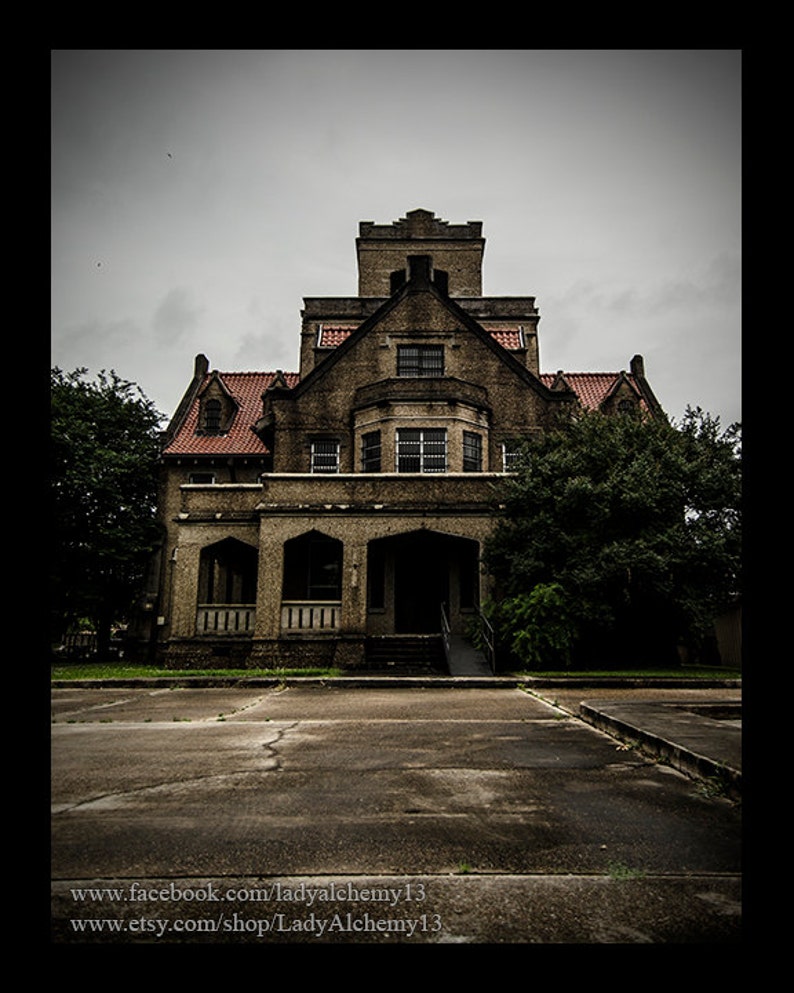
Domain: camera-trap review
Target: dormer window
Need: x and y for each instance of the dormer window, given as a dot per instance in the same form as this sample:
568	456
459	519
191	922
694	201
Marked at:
212	416
420	360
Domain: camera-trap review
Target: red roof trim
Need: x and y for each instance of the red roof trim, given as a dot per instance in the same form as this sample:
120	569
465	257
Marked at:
330	337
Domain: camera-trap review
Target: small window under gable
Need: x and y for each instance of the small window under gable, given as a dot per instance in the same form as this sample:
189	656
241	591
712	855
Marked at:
217	407
212	416
420	360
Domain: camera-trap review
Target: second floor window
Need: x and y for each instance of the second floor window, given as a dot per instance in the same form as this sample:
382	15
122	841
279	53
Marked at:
370	452
325	455
472	452
421	450
511	453
420	360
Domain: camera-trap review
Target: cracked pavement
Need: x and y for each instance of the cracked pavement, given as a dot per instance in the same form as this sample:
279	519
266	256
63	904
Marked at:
491	792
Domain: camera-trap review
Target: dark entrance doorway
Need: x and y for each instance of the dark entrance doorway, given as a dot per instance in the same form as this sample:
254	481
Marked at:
421	583
411	575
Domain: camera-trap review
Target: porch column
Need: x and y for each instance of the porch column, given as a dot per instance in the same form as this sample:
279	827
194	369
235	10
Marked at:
269	582
184	565
354	587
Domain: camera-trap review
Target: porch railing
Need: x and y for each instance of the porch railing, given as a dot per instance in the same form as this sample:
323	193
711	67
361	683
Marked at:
225	618
310	615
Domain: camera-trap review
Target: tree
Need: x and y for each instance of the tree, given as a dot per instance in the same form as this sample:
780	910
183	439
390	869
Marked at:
618	538
104	466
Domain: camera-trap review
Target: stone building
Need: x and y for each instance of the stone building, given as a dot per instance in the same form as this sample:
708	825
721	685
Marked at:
324	517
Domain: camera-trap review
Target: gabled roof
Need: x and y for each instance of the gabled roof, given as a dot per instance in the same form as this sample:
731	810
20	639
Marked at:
592	388
246	389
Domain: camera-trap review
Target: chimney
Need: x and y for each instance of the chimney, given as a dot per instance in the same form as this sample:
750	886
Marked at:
638	367
201	366
419	267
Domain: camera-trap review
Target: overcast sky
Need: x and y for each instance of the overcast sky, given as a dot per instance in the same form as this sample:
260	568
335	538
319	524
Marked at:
198	196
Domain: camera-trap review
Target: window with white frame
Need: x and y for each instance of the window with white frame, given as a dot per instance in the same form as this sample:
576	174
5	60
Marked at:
420	360
511	452
421	450
325	455
472	451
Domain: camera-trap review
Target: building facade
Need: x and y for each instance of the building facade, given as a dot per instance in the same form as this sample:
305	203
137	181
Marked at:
324	517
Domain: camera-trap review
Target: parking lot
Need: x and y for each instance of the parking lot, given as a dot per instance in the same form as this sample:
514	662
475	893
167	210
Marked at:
516	821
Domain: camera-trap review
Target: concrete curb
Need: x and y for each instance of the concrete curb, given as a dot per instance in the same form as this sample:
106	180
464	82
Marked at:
679	757
382	682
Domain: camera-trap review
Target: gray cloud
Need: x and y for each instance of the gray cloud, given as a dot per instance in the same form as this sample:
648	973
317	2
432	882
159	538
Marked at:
176	315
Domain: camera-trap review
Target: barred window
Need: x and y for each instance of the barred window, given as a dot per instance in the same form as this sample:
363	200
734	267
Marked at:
212	415
510	455
325	455
421	450
420	360
370	452
472	452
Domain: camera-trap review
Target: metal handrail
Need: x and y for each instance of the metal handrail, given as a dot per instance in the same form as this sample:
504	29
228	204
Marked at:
488	639
445	632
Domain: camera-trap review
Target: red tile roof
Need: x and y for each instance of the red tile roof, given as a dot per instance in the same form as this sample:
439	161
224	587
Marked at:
509	338
330	337
246	388
592	388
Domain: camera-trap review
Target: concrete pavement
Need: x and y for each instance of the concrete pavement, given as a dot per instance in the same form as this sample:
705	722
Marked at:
514	819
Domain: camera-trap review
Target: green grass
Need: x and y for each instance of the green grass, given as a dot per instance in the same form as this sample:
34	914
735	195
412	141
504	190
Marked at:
98	670
682	673
118	670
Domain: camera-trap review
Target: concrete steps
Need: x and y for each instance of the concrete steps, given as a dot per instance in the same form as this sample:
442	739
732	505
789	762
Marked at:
406	654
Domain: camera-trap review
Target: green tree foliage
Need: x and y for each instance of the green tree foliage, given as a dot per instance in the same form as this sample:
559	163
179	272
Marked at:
618	538
104	458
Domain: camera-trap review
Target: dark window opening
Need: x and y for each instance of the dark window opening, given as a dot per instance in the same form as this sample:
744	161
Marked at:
421	450
212	416
202	477
472	452
441	279
312	568
420	360
227	573
370	452
469	580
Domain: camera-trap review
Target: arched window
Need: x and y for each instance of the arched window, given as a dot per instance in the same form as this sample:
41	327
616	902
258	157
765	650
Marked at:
227	573
312	568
